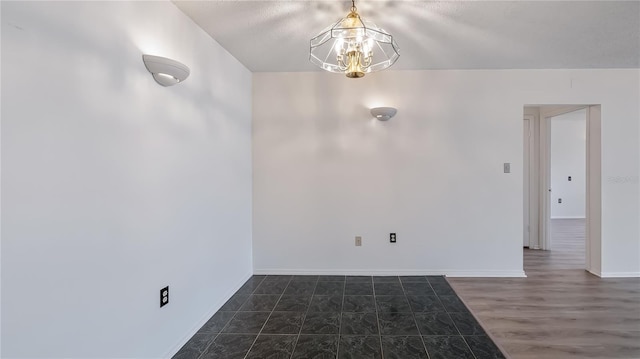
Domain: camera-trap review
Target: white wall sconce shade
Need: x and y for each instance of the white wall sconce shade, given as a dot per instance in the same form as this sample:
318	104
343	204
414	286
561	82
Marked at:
383	113
165	71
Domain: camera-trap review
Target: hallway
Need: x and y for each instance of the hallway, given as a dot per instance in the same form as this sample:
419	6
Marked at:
567	248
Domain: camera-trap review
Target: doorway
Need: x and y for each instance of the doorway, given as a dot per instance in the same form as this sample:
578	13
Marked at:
561	186
567	162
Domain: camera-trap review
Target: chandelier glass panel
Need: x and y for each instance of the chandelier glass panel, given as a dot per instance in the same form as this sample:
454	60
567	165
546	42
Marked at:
353	46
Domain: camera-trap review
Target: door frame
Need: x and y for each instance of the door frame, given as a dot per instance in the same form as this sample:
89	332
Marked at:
546	114
593	210
529	194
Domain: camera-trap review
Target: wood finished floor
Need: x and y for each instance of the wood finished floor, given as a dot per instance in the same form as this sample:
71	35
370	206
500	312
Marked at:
559	311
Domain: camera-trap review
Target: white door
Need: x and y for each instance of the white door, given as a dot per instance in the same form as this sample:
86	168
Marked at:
527	183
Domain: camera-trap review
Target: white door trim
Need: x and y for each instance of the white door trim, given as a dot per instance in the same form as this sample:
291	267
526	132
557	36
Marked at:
546	113
545	179
593	230
553	111
531	221
593	213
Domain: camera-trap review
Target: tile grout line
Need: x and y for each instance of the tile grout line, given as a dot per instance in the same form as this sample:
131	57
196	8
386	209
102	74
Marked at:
230	319
413	314
450	318
375	304
265	322
344	289
304	317
486	332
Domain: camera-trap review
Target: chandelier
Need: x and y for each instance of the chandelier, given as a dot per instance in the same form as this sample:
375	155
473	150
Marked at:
353	46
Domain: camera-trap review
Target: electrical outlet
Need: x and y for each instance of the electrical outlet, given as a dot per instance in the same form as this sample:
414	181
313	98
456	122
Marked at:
559	200
507	168
358	241
164	296
392	237
569	178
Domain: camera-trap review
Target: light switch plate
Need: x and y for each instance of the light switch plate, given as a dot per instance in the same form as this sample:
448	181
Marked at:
358	241
507	167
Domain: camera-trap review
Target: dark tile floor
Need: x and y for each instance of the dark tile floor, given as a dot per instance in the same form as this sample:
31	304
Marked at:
342	317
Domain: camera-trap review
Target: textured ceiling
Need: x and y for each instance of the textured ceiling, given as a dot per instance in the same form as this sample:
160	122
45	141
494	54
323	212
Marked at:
274	35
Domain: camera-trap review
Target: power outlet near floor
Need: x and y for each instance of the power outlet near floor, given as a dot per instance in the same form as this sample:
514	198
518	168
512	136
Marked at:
358	241
164	296
392	238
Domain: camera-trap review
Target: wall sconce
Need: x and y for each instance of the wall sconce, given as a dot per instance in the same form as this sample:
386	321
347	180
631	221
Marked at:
165	71
383	113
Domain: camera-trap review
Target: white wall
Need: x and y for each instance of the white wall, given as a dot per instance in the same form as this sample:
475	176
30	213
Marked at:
113	186
568	158
325	171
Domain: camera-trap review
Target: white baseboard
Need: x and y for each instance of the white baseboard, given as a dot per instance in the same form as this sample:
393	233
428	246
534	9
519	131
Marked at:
596	273
206	317
568	217
445	272
620	275
487	273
